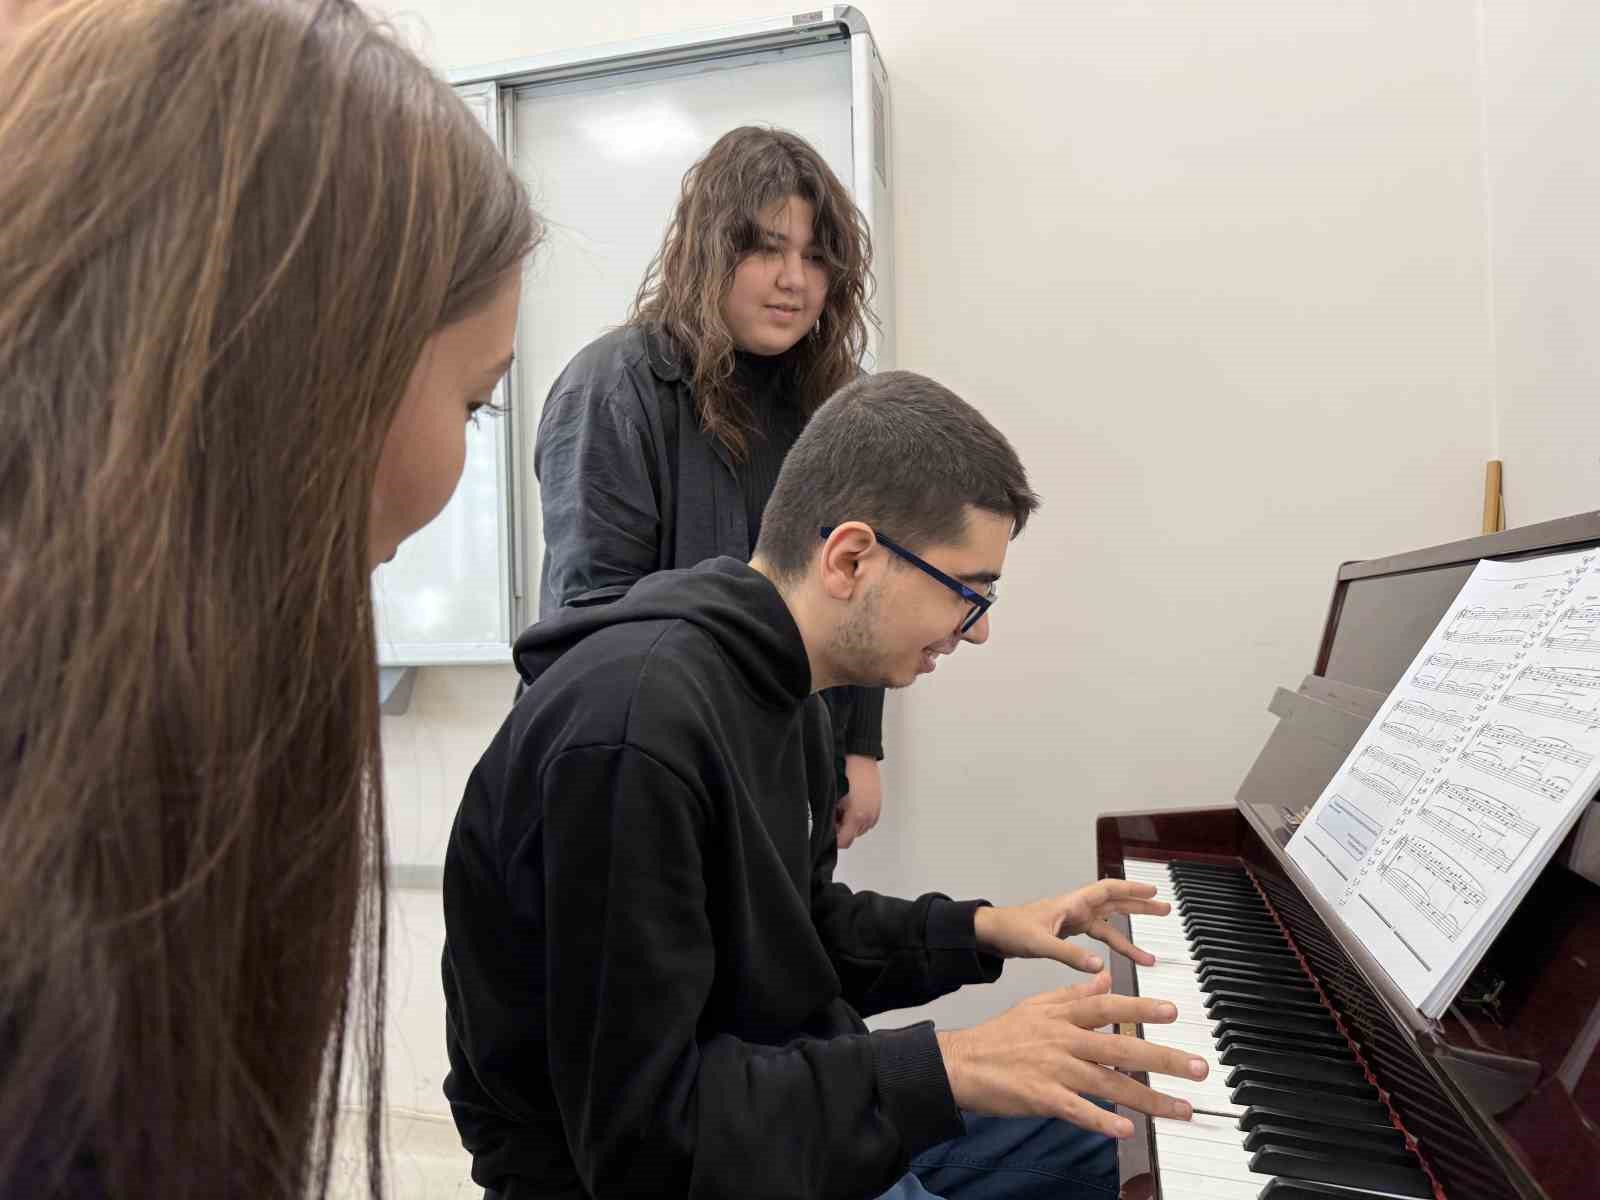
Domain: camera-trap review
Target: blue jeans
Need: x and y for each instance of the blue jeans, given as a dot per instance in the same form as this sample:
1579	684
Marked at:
1014	1158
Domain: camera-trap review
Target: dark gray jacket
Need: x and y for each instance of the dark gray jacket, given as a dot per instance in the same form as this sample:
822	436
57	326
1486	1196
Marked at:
630	484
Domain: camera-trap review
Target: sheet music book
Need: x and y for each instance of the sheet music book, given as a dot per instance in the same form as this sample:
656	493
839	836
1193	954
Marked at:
1464	784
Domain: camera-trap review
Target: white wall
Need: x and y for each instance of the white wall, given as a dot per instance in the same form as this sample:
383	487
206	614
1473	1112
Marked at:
1221	273
1541	103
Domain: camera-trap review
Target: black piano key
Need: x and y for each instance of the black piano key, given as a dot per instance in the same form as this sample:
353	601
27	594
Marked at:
1220	887
1217	887
1234	906
1207	953
1264	983
1192	911
1258	1039
1265	955
1230	924
1205	864
1219	870
1358	1089
1223	961
1348	1170
1202	924
1312	1040
1223	892
1300	1189
1208	914
1238	937
1261	979
1309	1104
1283	1020
1306	1066
1344	1130
1237	994
1229	891
1198	926
1327	1141
1261	990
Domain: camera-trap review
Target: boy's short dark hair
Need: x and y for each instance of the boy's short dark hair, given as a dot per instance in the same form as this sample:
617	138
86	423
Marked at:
901	453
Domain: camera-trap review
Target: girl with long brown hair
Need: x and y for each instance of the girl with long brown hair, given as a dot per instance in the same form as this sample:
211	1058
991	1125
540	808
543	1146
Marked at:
661	441
257	268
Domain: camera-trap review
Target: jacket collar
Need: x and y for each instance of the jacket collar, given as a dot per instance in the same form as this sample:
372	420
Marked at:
661	352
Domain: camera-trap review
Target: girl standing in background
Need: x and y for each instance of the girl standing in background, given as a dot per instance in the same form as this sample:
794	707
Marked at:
661	441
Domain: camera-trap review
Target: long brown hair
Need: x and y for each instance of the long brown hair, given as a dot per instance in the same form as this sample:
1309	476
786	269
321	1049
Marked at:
716	224
229	231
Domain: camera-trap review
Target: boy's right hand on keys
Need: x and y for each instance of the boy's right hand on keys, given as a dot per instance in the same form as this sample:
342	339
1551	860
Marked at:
1042	1057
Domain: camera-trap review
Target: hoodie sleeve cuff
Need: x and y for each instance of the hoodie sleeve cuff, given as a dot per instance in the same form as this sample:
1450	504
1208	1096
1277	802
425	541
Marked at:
950	929
915	1088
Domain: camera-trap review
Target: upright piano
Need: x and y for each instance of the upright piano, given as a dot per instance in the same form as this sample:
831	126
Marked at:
1326	1083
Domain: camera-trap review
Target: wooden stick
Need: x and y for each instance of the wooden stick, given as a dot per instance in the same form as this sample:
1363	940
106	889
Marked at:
1493	512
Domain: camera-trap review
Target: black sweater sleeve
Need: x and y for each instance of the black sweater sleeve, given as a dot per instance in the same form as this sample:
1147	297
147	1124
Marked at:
652	1104
863	731
892	953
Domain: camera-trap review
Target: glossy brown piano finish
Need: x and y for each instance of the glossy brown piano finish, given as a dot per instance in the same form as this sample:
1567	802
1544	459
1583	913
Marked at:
1502	1093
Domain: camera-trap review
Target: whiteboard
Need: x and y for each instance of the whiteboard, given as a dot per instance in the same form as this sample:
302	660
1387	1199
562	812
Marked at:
603	136
446	597
605	159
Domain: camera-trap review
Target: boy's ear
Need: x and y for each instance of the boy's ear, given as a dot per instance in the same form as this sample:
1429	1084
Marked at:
843	558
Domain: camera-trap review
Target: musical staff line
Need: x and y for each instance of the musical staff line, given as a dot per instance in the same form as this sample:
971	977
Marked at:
1569	694
1422	725
1577	630
1441	890
1392	776
1491	831
1494	626
1452	676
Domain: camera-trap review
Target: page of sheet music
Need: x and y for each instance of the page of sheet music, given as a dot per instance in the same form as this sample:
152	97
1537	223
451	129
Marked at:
1473	770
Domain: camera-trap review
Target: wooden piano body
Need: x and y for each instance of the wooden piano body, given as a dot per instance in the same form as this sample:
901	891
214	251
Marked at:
1502	1094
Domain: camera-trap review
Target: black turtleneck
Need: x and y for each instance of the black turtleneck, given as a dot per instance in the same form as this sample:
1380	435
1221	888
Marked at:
776	421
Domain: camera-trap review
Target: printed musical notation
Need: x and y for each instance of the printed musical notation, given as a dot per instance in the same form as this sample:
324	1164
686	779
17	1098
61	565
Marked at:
1577	630
1543	766
1452	676
1351	827
1423	725
1481	759
1490	830
1569	694
1486	626
1391	776
1445	893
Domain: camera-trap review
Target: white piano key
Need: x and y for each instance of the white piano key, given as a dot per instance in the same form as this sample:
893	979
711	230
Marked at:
1204	1127
1206	1158
1201	1159
1185	1185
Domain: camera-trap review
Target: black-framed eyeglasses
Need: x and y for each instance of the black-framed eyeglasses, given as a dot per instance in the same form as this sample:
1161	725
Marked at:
980	602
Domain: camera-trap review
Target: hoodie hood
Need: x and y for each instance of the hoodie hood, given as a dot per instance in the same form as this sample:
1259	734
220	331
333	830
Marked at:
736	606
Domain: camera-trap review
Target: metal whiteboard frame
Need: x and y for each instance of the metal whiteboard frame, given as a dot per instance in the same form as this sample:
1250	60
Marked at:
834	23
397	660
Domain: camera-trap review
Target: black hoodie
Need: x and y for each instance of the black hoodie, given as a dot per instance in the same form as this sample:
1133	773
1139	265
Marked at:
653	983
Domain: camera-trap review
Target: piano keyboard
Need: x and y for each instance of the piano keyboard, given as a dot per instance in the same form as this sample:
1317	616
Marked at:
1287	1112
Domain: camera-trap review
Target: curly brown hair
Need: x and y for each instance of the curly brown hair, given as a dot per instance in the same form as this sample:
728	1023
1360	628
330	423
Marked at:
717	224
